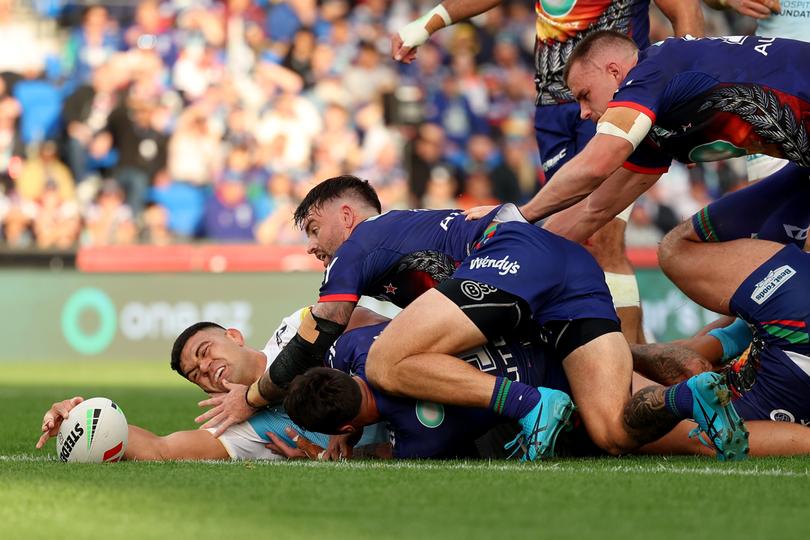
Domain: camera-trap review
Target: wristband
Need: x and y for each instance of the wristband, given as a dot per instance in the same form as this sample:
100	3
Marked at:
257	397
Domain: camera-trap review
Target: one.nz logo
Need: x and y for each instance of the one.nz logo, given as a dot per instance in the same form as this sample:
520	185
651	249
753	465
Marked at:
772	282
504	265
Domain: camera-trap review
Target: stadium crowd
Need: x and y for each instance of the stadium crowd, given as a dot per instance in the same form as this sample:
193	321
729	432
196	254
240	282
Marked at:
170	121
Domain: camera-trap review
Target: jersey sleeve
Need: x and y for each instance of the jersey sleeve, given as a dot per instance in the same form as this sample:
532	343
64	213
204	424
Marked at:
642	89
646	159
343	279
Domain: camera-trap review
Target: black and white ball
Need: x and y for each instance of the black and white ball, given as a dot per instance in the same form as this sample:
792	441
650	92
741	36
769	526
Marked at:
95	432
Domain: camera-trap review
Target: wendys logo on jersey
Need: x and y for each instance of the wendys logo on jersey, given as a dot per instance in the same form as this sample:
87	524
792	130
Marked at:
775	279
504	266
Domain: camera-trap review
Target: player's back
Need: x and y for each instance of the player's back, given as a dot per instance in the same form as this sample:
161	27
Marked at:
422	429
400	254
697	65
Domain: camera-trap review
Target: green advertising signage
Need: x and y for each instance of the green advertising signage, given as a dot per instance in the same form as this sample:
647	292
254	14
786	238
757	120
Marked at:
70	315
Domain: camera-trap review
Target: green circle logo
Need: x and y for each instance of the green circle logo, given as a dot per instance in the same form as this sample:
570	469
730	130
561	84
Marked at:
558	8
89	299
430	415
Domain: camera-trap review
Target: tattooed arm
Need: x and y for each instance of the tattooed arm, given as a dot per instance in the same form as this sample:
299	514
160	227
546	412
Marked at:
645	416
671	363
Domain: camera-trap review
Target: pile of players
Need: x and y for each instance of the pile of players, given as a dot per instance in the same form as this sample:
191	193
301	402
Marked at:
508	325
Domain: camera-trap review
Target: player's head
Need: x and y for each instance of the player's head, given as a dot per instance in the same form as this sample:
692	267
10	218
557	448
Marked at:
596	68
325	400
206	353
331	210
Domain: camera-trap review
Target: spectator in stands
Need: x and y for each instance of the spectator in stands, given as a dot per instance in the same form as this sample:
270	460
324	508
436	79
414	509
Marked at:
229	215
388	178
45	170
16	221
141	148
12	149
441	189
93	44
290	127
194	149
368	76
152	31
278	227
109	220
85	114
155	226
57	223
477	190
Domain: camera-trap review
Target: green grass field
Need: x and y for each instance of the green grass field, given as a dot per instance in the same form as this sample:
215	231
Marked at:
598	498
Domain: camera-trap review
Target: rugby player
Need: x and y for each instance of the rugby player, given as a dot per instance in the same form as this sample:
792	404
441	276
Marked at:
337	403
215	358
497	275
763	281
693	100
560	131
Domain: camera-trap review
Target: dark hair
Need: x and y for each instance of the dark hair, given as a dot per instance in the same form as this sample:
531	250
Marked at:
333	188
323	400
184	336
600	38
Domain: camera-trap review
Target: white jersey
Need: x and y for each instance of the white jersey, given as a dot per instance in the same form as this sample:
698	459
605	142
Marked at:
247	440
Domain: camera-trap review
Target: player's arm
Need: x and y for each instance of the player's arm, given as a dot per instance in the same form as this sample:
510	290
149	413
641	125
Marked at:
618	133
758	9
144	445
582	220
671	363
686	16
405	42
319	330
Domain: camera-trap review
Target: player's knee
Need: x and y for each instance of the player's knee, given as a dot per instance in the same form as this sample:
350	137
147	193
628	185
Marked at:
613	441
672	244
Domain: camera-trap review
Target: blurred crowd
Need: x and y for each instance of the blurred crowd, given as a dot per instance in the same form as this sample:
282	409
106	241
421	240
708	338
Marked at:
171	121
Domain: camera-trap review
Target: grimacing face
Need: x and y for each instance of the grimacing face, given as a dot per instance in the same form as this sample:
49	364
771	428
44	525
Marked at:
325	231
213	355
593	88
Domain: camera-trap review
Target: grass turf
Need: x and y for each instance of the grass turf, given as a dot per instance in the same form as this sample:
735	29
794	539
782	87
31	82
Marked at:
637	497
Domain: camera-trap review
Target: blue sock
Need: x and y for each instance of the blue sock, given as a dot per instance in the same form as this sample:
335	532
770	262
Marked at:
513	399
759	210
678	400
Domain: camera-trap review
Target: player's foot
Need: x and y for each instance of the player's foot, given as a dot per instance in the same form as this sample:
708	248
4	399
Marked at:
541	426
716	417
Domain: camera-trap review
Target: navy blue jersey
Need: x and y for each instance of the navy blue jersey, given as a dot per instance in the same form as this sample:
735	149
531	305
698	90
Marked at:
421	429
716	98
400	254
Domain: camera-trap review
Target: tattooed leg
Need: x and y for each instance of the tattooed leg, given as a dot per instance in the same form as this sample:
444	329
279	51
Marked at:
646	416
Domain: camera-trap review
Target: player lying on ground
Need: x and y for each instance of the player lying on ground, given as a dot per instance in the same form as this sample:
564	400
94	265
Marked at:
214	359
501	274
692	100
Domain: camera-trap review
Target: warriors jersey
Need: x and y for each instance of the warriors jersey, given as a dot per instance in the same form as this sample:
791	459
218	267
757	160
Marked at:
561	24
421	429
716	98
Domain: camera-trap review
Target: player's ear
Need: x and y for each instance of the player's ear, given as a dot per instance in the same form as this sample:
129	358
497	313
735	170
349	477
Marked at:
347	429
347	215
235	335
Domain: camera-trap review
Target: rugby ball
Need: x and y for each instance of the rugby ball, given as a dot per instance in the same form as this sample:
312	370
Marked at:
95	432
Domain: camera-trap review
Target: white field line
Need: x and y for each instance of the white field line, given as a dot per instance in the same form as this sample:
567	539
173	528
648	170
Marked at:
569	466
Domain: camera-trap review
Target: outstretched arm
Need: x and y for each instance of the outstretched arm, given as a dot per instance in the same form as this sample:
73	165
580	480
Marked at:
405	42
758	9
142	444
578	178
685	15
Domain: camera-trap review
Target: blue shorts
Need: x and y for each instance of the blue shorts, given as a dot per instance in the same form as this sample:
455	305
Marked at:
559	279
774	300
561	134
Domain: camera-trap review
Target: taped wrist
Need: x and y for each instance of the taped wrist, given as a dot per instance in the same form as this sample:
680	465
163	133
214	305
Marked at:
299	354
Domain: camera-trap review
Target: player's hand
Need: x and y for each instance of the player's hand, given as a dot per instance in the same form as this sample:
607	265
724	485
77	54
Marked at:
758	9
478	212
54	417
226	409
401	52
304	448
341	446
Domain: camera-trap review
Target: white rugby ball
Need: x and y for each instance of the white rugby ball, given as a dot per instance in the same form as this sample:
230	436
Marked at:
95	432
